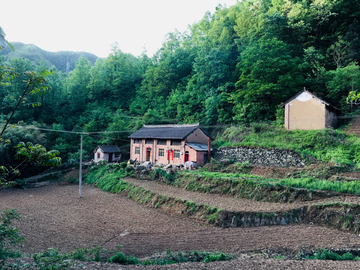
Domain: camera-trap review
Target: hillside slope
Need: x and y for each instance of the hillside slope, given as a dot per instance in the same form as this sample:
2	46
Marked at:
63	61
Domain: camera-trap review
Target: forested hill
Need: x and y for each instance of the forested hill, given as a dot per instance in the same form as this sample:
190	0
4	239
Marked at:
63	61
234	66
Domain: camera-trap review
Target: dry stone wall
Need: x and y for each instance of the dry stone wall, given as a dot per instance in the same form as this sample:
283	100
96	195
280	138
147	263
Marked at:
260	156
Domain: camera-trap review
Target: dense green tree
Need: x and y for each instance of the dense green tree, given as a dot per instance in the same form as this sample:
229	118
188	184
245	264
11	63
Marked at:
119	123
122	77
171	67
343	80
269	74
34	85
15	90
77	86
97	85
215	48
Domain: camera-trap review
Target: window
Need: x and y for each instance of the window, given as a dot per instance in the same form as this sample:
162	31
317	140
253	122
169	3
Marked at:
98	155
149	141
175	142
161	142
137	141
137	150
176	153
161	152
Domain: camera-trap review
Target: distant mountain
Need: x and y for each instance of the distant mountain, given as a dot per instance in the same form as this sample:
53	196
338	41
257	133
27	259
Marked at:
63	61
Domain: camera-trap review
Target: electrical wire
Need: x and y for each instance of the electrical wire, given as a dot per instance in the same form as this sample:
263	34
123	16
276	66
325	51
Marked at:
97	133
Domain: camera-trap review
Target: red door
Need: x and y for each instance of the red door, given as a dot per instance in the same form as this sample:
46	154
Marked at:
186	156
148	154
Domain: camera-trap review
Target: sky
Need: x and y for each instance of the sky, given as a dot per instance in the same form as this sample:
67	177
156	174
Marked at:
93	26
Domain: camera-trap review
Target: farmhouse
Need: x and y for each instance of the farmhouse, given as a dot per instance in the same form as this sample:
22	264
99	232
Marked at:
109	153
306	111
171	144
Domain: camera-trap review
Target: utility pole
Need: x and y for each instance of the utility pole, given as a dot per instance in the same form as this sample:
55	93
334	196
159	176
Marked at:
80	170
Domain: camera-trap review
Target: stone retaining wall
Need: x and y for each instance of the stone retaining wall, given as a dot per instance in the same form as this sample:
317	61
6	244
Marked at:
253	219
260	156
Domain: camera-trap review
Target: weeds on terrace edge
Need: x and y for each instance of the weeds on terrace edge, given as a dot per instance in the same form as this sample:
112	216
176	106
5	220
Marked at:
108	178
195	256
167	176
220	175
47	260
324	254
170	258
93	254
352	187
310	183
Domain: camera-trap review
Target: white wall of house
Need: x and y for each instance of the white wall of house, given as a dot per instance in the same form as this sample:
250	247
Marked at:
99	155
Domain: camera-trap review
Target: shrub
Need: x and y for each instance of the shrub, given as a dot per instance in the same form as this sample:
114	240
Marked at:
10	238
167	176
122	259
79	255
74	180
123	165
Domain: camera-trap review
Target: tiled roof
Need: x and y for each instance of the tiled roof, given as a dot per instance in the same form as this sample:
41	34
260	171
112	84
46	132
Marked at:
109	148
165	131
198	146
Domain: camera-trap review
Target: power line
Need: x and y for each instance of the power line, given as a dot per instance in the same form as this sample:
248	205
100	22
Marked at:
73	132
95	133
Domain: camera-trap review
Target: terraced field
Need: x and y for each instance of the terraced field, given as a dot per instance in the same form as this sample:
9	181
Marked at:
173	218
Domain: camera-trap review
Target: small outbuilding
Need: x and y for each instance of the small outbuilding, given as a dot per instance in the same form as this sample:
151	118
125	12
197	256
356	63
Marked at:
305	111
171	144
109	153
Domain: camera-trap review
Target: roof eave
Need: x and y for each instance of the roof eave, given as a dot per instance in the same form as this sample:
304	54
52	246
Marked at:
298	94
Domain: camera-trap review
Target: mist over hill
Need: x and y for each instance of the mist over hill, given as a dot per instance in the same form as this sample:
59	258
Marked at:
63	61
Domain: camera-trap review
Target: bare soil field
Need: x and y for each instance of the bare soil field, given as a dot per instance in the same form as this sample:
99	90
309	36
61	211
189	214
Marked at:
55	216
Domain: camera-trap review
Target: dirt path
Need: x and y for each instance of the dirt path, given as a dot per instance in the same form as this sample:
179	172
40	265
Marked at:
230	203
